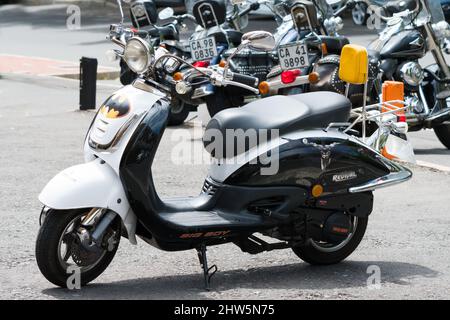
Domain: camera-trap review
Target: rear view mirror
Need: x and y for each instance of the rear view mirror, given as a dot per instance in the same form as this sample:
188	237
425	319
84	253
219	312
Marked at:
166	13
143	13
259	40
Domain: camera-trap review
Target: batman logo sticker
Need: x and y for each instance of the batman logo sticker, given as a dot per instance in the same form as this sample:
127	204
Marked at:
115	107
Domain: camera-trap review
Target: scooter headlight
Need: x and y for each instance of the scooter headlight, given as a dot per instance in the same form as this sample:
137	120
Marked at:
138	55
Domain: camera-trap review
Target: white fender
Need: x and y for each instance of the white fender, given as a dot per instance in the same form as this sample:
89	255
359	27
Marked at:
90	185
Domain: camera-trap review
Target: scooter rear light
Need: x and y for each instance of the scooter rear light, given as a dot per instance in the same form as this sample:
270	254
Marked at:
289	76
201	64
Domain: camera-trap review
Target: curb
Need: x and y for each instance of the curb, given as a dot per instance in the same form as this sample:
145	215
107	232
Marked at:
432	166
106	75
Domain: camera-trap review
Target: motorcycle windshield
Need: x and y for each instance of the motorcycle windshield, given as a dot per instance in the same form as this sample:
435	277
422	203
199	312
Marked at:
189	5
435	10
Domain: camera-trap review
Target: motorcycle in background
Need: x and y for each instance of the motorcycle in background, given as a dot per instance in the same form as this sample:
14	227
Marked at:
218	28
299	44
408	37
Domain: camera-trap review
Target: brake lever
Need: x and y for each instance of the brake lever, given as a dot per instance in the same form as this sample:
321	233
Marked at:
238	84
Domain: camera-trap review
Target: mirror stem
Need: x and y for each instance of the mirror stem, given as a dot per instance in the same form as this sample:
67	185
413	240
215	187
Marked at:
239	48
119	2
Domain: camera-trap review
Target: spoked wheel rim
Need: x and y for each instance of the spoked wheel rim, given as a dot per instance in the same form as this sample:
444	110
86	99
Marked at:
328	247
359	13
69	248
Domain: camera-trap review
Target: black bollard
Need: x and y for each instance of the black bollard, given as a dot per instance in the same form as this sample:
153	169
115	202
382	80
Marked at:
88	83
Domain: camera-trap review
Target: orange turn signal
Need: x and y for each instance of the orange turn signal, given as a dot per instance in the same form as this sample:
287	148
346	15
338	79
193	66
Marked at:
178	76
313	77
264	87
324	49
222	63
317	191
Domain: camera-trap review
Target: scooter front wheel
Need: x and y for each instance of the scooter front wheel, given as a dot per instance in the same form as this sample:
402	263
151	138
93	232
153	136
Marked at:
60	254
322	253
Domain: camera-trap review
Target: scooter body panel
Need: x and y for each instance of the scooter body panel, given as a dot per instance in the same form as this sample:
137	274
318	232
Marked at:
90	185
116	121
96	183
329	159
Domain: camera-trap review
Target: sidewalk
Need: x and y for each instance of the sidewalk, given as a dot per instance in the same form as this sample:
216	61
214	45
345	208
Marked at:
48	67
47	2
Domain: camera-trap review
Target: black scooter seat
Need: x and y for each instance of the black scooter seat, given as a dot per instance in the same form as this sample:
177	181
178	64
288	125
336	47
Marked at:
285	113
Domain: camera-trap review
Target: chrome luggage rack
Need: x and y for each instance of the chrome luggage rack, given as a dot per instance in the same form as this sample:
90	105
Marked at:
362	116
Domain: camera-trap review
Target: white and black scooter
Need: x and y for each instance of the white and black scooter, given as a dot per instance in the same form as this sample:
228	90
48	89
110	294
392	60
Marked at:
306	184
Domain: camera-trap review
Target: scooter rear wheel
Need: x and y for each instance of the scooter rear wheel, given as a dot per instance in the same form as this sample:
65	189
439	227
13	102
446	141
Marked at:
55	233
316	253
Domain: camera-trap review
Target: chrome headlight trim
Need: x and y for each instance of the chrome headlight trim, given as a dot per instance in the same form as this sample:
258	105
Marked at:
412	73
138	55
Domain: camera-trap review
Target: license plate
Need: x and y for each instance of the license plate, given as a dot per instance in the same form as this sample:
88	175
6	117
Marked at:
202	49
293	56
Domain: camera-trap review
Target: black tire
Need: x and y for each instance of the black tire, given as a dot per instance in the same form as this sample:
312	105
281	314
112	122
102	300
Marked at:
443	133
178	118
358	16
47	249
178	112
312	255
126	75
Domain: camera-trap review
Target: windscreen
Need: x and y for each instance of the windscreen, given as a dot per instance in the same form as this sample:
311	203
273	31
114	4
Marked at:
435	10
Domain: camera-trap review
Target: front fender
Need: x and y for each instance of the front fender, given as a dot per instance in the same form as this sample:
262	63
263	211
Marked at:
90	185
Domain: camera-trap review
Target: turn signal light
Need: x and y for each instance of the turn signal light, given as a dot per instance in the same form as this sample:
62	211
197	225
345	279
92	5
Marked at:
313	77
222	63
289	76
317	191
324	49
178	76
264	87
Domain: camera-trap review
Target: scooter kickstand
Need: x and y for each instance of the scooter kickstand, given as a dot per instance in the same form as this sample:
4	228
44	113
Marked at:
207	274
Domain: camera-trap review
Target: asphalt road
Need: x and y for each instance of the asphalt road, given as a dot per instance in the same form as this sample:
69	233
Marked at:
41	133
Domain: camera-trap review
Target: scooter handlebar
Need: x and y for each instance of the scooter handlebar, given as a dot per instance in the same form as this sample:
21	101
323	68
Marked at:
244	79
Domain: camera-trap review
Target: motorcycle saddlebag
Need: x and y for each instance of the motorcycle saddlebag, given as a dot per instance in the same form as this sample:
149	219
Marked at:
251	63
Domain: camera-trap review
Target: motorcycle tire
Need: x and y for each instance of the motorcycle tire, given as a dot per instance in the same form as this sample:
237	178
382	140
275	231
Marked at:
126	75
315	254
178	117
48	246
443	133
358	16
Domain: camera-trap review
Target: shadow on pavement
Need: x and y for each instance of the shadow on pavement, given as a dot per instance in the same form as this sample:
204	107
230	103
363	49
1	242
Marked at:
350	274
435	151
